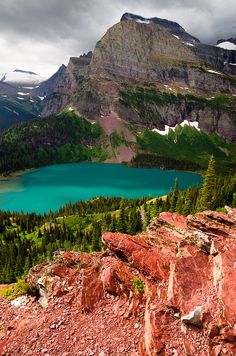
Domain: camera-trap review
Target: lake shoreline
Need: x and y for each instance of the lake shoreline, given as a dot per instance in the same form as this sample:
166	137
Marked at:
50	187
16	174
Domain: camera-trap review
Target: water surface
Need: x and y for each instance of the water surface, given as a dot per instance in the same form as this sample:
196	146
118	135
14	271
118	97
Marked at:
50	187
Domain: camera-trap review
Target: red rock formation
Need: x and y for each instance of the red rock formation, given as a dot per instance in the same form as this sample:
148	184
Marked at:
92	304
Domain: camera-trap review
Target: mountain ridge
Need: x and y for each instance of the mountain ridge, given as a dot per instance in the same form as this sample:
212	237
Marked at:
144	55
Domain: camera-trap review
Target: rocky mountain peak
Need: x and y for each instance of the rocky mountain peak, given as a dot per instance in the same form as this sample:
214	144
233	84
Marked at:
169	290
173	27
131	49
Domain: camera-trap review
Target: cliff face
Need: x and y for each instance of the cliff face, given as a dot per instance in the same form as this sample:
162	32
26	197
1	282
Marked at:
138	51
173	27
219	58
141	53
168	291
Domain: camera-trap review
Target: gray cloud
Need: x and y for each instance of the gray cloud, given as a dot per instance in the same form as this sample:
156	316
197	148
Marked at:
39	35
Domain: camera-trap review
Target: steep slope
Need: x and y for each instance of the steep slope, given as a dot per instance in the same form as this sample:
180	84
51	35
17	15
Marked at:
214	56
168	290
46	87
144	54
57	139
66	137
17	109
173	27
18	100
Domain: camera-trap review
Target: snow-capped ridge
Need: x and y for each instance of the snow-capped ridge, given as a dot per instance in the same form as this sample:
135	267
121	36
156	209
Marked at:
21	77
227	45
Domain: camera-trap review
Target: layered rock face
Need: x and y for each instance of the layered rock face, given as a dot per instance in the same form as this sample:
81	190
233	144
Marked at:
148	52
170	26
131	50
222	59
168	291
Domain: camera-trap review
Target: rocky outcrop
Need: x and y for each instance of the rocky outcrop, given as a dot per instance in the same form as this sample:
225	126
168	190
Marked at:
48	86
169	290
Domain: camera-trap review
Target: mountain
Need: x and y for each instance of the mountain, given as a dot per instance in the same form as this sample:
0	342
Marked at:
145	75
17	109
141	73
20	78
173	27
18	101
222	60
46	87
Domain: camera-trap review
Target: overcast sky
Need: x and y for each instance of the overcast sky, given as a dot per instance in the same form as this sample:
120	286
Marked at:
40	35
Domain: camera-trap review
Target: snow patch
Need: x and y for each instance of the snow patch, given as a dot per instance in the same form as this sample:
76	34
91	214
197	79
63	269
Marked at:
189	44
213	71
22	77
41	97
232	64
18	97
4	96
29	87
176	37
227	45
14	112
183	123
70	109
143	21
20	93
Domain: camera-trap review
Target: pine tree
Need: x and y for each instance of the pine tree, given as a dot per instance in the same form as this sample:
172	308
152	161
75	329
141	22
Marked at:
174	196
207	190
122	223
234	200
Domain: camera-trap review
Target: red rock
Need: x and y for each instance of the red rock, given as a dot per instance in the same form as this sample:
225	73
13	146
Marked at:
91	289
186	265
229	334
189	348
138	253
174	219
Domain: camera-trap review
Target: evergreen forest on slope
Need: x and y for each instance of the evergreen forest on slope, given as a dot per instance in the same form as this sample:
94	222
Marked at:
28	239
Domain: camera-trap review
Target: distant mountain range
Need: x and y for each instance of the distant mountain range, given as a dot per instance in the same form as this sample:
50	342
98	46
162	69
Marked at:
18	100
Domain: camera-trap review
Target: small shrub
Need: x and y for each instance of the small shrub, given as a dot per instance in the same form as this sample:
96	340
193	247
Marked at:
221	210
15	291
138	285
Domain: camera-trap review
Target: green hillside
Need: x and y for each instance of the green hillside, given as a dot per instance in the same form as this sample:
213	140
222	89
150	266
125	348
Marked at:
184	148
14	110
68	138
56	139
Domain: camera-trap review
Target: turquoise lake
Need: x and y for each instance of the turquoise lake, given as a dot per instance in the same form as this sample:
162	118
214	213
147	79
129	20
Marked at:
50	187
